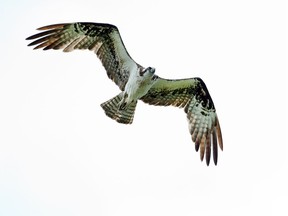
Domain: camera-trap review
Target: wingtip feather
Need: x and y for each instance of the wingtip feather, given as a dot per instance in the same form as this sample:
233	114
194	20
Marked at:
208	150
214	146
202	149
219	135
53	26
197	145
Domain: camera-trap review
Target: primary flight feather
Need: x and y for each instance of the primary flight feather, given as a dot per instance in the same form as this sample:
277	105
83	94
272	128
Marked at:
137	82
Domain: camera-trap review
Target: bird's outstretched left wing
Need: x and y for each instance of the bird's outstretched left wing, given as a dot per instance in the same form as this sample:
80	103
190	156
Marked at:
193	96
103	39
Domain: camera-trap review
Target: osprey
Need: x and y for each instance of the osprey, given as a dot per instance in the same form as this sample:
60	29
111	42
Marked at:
137	82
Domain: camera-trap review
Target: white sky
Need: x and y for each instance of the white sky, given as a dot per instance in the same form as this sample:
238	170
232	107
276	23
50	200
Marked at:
60	154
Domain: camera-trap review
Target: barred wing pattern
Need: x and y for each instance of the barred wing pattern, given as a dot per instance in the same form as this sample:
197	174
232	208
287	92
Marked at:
193	96
103	39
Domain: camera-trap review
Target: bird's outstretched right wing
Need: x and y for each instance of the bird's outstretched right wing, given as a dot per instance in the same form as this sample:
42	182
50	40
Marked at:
103	39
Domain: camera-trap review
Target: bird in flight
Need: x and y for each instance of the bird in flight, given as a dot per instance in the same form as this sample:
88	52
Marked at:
137	82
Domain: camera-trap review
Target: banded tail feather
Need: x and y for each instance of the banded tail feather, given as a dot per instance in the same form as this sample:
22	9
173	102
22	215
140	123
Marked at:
111	108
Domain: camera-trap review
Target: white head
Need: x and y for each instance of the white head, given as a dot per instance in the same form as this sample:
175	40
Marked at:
148	72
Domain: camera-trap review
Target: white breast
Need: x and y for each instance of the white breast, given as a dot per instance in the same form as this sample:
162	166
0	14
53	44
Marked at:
137	86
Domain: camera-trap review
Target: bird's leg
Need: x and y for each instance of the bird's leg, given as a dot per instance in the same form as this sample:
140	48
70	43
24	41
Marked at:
123	103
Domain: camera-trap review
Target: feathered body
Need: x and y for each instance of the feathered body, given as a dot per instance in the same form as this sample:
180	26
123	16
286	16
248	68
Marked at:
138	83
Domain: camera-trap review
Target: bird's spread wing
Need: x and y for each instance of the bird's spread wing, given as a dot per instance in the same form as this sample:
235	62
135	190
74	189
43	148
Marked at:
103	39
193	96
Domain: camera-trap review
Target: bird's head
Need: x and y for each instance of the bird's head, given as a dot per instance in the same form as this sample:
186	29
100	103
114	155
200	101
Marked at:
148	72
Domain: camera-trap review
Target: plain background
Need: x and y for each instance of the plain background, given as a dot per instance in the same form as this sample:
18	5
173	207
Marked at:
60	154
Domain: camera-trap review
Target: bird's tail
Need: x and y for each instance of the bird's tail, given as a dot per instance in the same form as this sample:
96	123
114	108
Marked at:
111	108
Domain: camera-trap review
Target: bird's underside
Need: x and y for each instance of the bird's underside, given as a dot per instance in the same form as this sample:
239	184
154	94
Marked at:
138	83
